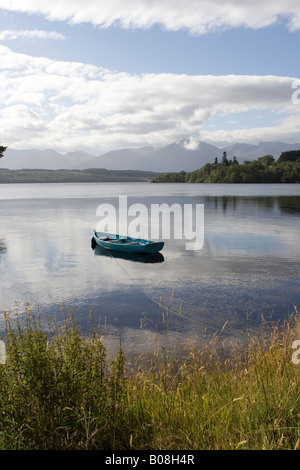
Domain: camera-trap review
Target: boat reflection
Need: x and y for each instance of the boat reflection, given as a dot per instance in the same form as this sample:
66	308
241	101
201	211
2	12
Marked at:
137	257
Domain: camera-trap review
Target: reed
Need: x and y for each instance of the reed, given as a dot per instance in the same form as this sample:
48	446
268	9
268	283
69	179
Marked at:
57	391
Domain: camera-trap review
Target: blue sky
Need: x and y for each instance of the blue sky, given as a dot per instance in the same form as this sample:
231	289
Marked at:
100	75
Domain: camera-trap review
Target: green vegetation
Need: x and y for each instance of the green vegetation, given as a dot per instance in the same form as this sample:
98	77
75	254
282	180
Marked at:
2	150
57	392
264	170
91	175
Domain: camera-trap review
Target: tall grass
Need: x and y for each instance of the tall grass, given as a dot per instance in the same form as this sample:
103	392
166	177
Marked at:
58	392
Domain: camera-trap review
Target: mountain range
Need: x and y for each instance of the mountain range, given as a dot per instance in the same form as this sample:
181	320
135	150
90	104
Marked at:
185	154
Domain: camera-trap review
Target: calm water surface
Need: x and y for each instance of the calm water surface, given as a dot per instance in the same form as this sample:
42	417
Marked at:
248	266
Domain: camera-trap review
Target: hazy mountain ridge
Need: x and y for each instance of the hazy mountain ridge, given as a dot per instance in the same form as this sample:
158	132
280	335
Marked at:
253	152
185	154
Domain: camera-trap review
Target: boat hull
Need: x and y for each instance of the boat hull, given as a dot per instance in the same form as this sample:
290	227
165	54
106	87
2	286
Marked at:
128	245
134	257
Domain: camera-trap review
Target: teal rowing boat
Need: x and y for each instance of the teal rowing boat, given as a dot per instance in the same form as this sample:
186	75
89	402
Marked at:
123	244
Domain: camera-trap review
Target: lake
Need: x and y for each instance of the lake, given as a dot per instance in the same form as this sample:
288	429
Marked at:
248	267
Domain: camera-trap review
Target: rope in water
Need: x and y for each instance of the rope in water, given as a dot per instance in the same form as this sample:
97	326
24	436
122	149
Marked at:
167	307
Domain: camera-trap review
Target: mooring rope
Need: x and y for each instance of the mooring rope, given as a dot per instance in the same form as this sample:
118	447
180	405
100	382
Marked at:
168	308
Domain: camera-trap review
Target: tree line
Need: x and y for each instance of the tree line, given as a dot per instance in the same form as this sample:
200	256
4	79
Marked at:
286	169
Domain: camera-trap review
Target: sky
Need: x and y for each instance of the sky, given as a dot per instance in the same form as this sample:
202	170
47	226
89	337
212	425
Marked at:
102	75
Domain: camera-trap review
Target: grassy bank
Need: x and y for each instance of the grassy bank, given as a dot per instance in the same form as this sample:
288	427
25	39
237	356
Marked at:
58	392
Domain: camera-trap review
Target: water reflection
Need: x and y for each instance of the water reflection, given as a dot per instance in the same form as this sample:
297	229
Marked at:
249	263
135	257
2	246
3	249
289	204
232	203
286	204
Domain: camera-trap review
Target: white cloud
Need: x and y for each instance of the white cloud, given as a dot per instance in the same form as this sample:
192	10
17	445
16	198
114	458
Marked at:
285	130
195	16
9	35
190	144
68	105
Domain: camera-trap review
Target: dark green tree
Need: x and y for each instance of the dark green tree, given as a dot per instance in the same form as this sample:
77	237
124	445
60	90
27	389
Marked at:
267	160
290	156
2	150
224	159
